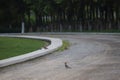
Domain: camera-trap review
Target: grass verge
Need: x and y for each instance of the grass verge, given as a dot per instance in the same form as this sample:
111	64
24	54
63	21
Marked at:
10	47
65	45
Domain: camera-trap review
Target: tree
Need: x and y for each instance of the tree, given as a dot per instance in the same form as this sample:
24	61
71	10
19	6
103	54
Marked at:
62	15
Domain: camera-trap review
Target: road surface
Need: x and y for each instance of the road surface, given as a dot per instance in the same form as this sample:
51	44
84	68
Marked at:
91	57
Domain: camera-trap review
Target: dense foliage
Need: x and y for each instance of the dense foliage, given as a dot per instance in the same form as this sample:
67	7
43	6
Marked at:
60	15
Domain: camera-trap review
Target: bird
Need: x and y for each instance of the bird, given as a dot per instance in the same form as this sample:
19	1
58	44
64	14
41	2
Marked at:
66	66
45	47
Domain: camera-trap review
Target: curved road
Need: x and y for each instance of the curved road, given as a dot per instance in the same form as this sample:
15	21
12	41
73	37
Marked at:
91	57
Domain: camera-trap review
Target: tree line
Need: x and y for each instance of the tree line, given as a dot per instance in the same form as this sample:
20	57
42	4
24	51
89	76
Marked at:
60	15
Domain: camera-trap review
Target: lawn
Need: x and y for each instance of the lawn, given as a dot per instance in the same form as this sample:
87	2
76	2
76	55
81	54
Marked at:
10	47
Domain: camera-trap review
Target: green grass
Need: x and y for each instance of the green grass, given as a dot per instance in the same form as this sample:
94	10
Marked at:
10	47
65	45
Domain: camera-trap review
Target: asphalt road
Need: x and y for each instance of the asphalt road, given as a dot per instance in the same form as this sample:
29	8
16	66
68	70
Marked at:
91	57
